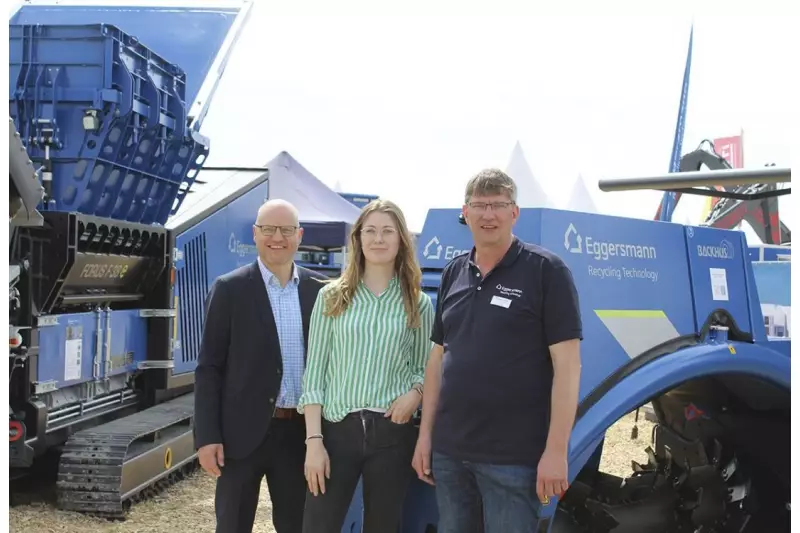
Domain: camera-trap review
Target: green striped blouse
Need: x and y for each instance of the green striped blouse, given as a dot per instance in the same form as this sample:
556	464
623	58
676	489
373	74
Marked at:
366	357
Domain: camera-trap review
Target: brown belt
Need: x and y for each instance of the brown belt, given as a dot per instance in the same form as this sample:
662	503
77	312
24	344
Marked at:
286	414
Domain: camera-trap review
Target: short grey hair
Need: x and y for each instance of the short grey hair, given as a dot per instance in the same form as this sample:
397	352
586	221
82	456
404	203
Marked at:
489	182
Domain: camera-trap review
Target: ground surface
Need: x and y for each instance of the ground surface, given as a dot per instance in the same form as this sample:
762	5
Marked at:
189	505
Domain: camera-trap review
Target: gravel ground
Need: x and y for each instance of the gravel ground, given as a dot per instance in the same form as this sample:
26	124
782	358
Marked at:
189	506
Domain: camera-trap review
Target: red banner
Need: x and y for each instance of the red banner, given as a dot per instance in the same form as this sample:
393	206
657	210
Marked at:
730	148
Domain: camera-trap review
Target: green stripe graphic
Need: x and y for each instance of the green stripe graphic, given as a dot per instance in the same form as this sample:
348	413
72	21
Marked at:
637	330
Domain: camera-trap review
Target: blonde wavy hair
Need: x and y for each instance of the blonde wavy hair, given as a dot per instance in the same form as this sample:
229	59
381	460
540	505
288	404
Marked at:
339	293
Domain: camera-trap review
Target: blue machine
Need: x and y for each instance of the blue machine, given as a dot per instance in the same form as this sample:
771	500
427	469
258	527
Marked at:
773	280
106	107
111	256
672	316
770	252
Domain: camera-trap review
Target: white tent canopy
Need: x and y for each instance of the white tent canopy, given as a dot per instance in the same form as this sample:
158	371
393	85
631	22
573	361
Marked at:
288	180
581	200
529	192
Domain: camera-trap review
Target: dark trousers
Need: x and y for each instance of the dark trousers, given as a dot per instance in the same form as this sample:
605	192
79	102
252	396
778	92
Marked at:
366	445
280	458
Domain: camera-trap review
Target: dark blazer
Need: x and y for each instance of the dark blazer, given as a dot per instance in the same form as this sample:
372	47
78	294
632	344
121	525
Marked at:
239	368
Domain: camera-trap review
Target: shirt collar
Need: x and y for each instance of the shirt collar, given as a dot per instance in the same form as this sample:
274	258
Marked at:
268	275
393	283
511	255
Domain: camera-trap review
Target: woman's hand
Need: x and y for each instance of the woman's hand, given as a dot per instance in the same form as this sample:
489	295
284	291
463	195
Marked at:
403	407
317	467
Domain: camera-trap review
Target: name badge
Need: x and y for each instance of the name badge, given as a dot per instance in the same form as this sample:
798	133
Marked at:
500	301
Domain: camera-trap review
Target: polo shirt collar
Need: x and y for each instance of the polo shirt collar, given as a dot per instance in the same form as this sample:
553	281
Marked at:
508	259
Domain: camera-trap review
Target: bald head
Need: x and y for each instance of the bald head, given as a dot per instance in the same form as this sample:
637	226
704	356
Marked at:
279	213
277	234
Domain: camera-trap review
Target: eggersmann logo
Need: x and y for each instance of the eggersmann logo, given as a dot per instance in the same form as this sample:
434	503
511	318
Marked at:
724	250
434	248
237	247
433	244
576	243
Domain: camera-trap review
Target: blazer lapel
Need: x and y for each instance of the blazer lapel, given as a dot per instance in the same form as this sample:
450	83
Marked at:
263	307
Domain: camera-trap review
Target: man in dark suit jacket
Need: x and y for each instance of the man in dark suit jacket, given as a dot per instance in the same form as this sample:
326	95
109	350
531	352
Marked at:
249	378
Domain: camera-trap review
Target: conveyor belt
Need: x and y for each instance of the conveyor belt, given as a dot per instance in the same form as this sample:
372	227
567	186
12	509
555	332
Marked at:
106	468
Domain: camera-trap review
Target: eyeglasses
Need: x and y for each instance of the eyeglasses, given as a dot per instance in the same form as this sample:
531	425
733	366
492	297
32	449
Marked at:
496	206
269	230
372	233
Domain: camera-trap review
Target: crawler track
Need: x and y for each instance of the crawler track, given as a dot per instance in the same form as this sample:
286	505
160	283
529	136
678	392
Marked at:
105	469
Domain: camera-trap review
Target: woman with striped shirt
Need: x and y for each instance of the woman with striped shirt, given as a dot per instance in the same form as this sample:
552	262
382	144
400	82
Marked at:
369	342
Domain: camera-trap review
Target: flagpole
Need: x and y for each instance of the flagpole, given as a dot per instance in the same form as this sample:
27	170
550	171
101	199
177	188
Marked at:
670	199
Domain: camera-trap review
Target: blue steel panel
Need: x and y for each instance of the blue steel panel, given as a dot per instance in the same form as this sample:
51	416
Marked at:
128	334
717	260
774	282
769	252
353	521
782	346
751	288
622	267
229	245
777	253
128	346
430	284
189	36
52	363
109	113
420	511
442	238
602	253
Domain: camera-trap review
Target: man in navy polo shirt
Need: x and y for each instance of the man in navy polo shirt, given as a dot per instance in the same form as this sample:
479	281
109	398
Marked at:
501	385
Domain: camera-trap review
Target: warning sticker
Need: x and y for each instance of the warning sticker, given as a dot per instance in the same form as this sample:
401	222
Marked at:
73	355
719	284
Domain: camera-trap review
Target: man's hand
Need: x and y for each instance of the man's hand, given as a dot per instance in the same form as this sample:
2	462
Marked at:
403	407
552	475
317	467
422	459
212	458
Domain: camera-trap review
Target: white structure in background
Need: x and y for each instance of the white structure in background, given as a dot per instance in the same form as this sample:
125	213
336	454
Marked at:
777	320
529	192
581	200
337	187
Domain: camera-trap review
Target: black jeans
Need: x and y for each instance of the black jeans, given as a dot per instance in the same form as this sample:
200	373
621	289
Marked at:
368	445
